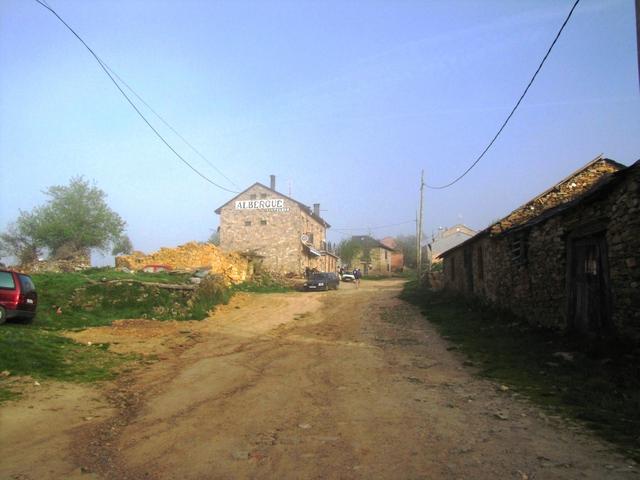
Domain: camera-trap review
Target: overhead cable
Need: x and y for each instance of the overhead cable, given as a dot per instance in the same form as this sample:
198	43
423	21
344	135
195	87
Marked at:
504	124
166	123
133	104
339	229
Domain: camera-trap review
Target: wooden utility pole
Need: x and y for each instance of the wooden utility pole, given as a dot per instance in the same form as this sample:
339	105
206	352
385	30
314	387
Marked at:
419	239
417	247
638	34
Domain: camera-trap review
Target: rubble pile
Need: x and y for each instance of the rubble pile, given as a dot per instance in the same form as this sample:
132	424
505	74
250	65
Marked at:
232	267
76	265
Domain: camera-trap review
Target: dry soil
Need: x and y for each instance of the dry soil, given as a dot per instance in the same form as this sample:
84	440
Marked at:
345	384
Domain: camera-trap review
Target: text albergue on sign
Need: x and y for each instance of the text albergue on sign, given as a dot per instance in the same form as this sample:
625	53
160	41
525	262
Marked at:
271	204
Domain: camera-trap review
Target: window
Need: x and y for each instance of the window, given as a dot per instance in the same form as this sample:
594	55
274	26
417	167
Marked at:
26	284
263	222
263	195
253	197
385	254
6	280
247	223
518	246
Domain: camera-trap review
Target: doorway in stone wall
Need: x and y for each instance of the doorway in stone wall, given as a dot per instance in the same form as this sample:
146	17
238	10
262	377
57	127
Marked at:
589	288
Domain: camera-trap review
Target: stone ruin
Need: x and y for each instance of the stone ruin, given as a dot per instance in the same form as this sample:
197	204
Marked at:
233	268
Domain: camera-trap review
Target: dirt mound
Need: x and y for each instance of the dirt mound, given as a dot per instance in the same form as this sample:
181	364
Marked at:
232	267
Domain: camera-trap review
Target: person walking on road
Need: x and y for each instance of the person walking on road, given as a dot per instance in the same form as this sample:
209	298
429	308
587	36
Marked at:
356	276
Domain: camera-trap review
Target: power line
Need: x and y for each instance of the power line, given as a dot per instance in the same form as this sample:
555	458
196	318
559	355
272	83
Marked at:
166	123
504	124
131	102
372	228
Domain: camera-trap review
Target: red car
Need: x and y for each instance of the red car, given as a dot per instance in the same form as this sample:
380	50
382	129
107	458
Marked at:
18	297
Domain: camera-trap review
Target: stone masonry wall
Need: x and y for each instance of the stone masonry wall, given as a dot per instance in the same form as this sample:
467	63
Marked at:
536	287
272	234
623	241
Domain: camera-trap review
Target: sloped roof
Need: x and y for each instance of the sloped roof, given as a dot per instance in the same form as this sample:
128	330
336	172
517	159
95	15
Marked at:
597	191
505	225
372	242
304	207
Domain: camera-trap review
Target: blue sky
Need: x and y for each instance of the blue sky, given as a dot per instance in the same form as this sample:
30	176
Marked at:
344	101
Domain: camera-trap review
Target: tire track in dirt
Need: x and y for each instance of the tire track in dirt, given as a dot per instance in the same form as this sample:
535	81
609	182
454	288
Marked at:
350	384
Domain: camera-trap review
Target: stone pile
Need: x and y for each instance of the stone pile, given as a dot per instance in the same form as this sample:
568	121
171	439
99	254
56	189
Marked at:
232	267
56	266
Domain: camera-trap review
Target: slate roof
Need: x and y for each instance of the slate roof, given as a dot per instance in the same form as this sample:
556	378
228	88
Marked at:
597	188
371	242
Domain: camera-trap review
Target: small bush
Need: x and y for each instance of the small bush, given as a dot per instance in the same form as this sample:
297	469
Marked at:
211	292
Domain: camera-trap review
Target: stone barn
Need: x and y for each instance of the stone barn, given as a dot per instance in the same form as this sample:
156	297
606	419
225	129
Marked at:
568	259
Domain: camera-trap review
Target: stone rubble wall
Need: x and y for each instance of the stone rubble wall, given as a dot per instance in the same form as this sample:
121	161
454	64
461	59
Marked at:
233	267
537	289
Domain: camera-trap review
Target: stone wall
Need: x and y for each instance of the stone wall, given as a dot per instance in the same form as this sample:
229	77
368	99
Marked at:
535	286
233	268
377	265
272	234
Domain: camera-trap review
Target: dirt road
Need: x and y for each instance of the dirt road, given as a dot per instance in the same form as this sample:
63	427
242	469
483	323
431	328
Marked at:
347	384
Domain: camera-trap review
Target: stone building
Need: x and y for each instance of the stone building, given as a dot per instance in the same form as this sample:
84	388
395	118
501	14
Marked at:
373	257
568	259
281	234
447	238
397	257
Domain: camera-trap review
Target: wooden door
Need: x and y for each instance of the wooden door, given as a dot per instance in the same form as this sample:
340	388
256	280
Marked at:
589	291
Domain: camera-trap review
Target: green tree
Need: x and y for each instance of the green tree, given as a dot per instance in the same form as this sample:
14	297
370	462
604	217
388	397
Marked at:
407	244
214	238
122	246
348	250
19	240
75	220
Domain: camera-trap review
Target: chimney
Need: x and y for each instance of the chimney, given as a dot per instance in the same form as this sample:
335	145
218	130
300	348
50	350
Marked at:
316	209
273	181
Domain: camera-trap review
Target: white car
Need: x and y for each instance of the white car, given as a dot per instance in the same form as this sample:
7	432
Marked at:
347	277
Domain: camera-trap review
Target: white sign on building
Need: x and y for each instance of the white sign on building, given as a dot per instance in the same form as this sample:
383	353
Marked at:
269	204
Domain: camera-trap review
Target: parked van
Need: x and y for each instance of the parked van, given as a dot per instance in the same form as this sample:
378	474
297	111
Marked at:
18	296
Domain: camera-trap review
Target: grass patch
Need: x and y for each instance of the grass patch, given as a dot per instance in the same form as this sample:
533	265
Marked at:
99	296
599	385
96	297
46	355
43	354
7	394
263	284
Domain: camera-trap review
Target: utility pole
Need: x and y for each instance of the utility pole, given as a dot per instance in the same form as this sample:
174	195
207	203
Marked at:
419	240
417	247
638	34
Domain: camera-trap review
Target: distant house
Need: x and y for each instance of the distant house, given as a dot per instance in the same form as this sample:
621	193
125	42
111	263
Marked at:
280	233
397	257
447	238
567	259
373	257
